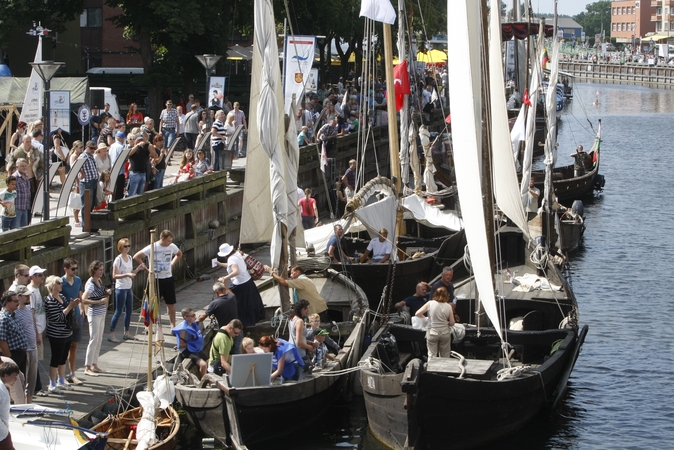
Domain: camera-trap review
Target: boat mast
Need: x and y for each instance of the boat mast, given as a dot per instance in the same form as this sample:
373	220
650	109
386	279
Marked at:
487	188
150	305
394	149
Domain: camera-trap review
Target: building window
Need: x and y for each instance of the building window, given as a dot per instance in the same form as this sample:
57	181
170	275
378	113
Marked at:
92	18
634	9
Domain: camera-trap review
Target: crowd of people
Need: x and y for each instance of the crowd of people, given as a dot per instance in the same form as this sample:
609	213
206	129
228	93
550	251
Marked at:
144	148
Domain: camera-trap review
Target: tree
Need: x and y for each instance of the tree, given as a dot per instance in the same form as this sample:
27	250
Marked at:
16	15
170	33
597	17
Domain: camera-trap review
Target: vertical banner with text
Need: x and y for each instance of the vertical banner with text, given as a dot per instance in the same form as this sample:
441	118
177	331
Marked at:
216	92
59	111
298	58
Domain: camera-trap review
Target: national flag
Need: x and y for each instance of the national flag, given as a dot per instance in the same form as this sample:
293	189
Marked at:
402	83
379	10
544	58
149	312
324	157
525	99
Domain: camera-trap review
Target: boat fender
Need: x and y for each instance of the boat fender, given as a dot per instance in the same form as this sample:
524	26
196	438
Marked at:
599	182
578	207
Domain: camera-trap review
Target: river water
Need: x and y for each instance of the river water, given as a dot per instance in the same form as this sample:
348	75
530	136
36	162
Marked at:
620	394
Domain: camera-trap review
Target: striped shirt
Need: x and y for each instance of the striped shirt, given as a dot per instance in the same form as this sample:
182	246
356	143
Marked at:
11	332
216	138
89	167
96	292
22	200
169	119
25	318
57	322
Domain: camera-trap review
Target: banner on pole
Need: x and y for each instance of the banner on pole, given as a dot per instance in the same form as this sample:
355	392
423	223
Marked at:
298	58
216	92
59	111
32	102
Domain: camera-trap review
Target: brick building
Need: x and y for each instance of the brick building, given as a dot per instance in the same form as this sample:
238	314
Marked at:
631	19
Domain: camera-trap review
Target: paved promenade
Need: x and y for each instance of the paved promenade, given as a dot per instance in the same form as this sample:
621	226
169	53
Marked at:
126	362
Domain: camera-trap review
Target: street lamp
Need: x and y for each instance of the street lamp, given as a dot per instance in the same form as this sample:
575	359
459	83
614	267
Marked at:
208	61
46	70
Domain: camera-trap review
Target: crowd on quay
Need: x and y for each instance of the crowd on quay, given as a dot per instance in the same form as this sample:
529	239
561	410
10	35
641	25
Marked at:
145	162
238	306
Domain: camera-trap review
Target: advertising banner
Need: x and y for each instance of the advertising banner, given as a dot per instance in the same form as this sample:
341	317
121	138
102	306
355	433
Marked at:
59	111
298	58
216	92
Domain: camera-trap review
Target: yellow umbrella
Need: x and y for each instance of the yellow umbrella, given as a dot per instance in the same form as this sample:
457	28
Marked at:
432	56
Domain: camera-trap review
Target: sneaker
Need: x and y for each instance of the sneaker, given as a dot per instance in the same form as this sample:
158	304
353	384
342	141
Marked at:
55	390
127	337
64	387
90	373
42	394
114	339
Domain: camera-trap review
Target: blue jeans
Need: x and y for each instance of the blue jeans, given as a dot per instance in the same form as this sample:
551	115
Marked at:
136	183
169	136
123	302
91	186
159	179
21	219
8	223
218	156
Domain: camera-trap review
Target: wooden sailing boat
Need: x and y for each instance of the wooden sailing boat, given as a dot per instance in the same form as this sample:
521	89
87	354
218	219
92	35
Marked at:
222	409
123	427
504	375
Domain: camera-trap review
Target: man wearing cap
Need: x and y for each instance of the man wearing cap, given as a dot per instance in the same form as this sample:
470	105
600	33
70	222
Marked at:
166	255
88	177
168	123
114	153
304	290
13	341
25	316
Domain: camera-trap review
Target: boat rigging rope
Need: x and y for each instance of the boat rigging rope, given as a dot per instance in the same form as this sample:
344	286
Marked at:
462	362
512	372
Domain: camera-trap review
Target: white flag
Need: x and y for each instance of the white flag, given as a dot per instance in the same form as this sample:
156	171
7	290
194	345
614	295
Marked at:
324	157
32	102
379	10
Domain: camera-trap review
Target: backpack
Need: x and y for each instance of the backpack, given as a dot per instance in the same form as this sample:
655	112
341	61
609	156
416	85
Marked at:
255	267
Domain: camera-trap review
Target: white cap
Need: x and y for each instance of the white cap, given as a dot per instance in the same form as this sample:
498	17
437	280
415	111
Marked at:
35	269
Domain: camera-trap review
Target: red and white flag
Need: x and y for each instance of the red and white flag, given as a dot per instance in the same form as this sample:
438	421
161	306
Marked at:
402	83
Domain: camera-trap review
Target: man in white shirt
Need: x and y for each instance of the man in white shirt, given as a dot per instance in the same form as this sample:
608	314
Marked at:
166	255
379	248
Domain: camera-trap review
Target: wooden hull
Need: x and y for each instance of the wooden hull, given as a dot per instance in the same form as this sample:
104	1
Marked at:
570	233
567	186
121	437
218	410
504	405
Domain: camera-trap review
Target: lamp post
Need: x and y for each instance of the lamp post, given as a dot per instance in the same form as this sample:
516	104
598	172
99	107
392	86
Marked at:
208	61
46	70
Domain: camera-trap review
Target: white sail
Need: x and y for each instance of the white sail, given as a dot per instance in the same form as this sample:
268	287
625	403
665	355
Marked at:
530	127
464	39
270	122
32	102
551	105
506	188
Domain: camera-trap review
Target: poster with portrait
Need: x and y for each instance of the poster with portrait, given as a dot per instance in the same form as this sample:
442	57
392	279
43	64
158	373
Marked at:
216	92
59	111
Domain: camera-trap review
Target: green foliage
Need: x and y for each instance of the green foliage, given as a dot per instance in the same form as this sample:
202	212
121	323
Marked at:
596	15
18	15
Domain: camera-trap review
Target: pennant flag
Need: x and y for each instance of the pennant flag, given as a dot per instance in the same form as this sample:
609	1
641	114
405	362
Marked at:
544	58
324	157
379	10
402	83
526	100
